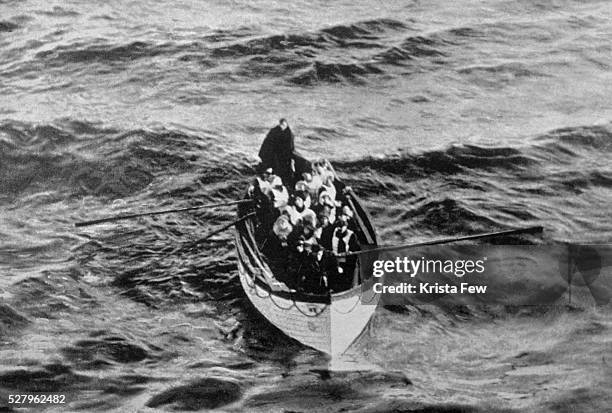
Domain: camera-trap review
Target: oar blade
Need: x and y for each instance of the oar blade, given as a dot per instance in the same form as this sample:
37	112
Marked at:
533	230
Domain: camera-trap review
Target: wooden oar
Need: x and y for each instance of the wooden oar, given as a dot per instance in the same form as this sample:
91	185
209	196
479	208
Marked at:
526	230
192	244
223	228
167	211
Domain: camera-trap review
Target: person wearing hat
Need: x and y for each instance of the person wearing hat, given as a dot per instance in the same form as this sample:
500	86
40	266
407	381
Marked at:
308	232
297	259
318	268
322	169
326	198
302	190
282	228
326	205
260	191
310	183
278	193
348	212
325	229
262	183
304	235
298	211
276	245
344	240
329	187
278	240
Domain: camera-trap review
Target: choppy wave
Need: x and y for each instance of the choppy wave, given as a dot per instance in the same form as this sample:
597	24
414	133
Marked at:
10	319
143	313
452	160
335	36
592	137
470	188
7	26
82	53
559	146
335	72
38	158
85	159
346	53
301	58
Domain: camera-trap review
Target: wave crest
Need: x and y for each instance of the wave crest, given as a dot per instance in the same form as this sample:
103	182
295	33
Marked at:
452	160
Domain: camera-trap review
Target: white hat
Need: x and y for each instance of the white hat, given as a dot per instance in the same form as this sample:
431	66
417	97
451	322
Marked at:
282	227
324	194
301	186
346	210
276	182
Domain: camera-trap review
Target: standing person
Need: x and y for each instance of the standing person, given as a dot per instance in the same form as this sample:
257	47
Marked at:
278	151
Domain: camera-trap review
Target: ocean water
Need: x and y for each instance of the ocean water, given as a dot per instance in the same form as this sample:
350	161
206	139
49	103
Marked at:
446	117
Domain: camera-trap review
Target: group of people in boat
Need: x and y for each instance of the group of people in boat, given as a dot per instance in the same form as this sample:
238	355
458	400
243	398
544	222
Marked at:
305	222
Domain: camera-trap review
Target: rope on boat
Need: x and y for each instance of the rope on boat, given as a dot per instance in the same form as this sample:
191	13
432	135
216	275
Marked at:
281	307
310	315
253	286
352	308
354	305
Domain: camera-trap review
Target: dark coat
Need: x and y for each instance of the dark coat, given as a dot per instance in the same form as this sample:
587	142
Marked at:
315	274
274	250
326	237
297	267
348	264
277	151
352	244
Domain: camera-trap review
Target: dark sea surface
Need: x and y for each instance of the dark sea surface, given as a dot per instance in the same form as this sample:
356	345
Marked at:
447	118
